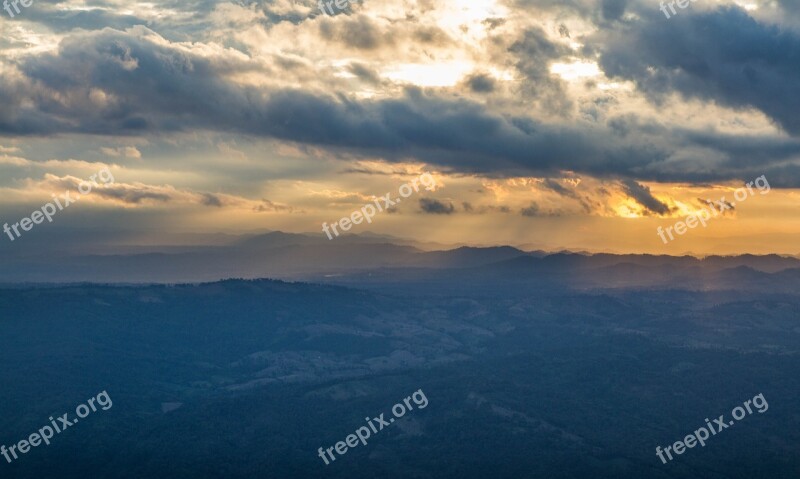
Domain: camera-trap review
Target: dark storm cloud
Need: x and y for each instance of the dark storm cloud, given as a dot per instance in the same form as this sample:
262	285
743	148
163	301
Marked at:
613	9
641	194
481	83
436	207
149	87
154	88
723	56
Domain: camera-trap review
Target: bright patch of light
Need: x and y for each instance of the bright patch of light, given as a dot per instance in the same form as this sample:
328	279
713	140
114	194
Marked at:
615	86
465	18
429	75
503	75
576	70
628	209
747	5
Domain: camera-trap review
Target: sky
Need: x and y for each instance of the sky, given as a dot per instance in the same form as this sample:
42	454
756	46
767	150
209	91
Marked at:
546	124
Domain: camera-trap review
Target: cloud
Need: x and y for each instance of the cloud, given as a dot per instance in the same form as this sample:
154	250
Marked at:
436	207
134	194
481	83
613	9
364	73
641	194
360	32
586	203
141	194
534	51
728	209
211	200
531	211
267	206
57	18
154	80
723	55
14	160
124	151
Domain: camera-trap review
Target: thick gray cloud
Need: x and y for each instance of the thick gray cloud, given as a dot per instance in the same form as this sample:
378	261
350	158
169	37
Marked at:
613	9
110	82
481	83
724	56
158	89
